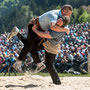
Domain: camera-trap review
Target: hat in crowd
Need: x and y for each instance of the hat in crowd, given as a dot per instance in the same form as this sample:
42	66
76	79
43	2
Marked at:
78	53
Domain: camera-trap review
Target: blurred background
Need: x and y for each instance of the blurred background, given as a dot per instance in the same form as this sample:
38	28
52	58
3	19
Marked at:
73	55
19	12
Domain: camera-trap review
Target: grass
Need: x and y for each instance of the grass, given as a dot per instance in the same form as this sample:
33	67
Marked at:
47	74
65	75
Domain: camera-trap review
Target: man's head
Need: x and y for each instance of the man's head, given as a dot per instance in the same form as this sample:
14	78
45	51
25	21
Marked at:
64	20
66	10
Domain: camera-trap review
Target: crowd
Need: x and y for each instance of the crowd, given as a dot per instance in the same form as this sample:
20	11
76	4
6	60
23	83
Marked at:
74	49
72	55
9	51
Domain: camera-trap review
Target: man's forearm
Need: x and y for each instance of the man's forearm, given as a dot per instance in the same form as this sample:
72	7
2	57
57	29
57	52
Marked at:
59	29
42	34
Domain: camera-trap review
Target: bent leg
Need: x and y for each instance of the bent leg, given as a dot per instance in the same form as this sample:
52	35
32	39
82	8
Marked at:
29	43
23	54
34	52
20	37
40	65
35	57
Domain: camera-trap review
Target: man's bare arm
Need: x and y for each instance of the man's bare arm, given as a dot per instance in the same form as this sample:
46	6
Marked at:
43	34
58	28
40	33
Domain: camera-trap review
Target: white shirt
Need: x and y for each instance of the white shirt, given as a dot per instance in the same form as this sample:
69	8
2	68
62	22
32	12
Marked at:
48	17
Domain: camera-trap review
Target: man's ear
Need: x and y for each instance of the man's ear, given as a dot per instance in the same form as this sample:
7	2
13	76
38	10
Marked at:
63	12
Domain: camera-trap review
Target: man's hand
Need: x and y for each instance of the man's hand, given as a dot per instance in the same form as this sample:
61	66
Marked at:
34	27
67	31
32	21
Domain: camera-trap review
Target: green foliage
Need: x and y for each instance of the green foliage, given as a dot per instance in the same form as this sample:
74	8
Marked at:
88	18
64	75
58	7
85	17
19	12
47	74
76	15
77	3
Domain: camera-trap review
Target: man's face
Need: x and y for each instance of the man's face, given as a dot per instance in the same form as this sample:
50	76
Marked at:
59	22
66	12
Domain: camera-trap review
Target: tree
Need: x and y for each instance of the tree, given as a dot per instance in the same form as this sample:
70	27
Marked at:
19	12
74	19
84	17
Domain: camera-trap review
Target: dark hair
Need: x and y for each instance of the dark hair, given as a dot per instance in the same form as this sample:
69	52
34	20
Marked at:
67	6
66	20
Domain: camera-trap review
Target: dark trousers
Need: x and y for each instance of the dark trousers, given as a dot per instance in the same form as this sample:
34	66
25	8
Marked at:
31	45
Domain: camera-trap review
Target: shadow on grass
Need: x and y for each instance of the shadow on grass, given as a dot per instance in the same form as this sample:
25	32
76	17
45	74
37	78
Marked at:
25	86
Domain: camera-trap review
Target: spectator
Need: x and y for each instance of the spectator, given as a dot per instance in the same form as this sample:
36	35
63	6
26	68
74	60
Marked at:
74	46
